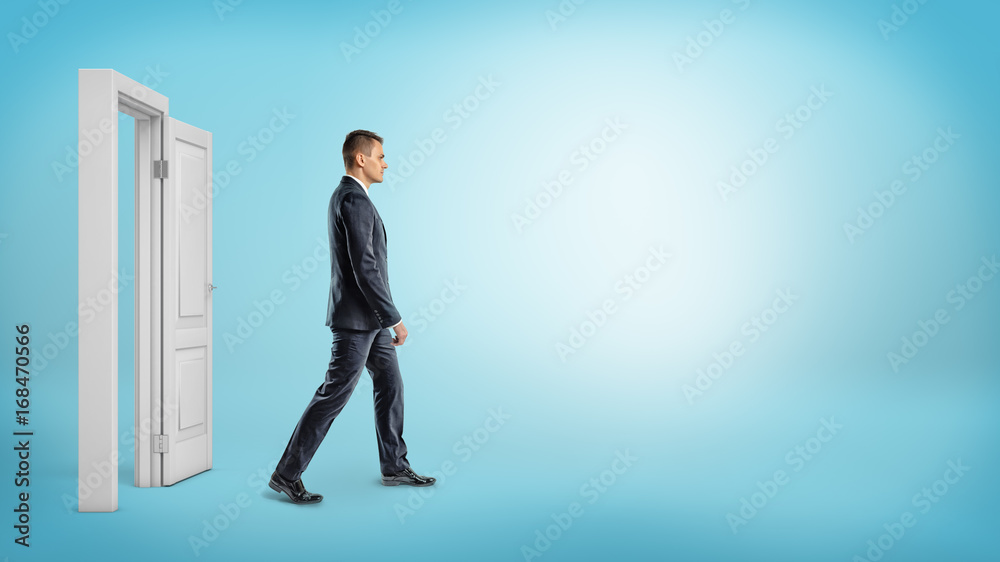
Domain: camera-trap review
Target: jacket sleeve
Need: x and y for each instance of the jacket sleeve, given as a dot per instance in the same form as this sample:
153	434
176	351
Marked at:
359	224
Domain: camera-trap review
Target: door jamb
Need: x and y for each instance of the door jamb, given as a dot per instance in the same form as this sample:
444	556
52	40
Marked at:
102	94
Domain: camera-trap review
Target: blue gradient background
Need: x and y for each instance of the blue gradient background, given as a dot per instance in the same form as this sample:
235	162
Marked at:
495	346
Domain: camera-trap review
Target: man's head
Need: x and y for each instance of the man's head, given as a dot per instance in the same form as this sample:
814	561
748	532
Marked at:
363	156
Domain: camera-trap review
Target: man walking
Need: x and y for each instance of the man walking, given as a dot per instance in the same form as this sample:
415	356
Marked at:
359	313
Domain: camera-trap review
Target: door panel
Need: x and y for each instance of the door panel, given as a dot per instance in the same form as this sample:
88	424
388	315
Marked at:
187	303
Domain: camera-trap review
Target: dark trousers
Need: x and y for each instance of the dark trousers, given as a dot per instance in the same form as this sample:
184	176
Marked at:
351	351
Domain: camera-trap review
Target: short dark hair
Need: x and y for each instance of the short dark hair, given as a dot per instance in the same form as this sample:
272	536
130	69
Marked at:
359	141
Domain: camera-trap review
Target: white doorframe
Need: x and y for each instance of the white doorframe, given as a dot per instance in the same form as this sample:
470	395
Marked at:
102	94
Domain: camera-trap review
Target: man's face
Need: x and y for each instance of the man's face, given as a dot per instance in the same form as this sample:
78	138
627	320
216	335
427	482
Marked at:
374	165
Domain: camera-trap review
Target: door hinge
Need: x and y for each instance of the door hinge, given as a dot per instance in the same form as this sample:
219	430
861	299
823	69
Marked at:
160	444
159	169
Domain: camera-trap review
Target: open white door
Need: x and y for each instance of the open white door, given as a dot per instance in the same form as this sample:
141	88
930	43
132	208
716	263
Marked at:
173	306
186	399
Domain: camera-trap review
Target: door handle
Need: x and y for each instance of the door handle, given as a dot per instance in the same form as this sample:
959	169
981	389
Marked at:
211	287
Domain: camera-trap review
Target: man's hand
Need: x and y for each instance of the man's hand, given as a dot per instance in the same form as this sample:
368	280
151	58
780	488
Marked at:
400	336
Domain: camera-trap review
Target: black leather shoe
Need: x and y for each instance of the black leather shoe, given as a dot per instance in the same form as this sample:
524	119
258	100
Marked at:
296	490
407	477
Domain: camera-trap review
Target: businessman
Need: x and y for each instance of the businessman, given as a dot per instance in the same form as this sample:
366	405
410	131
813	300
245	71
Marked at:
360	314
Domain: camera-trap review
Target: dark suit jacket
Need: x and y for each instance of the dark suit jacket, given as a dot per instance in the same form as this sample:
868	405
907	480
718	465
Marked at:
359	280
